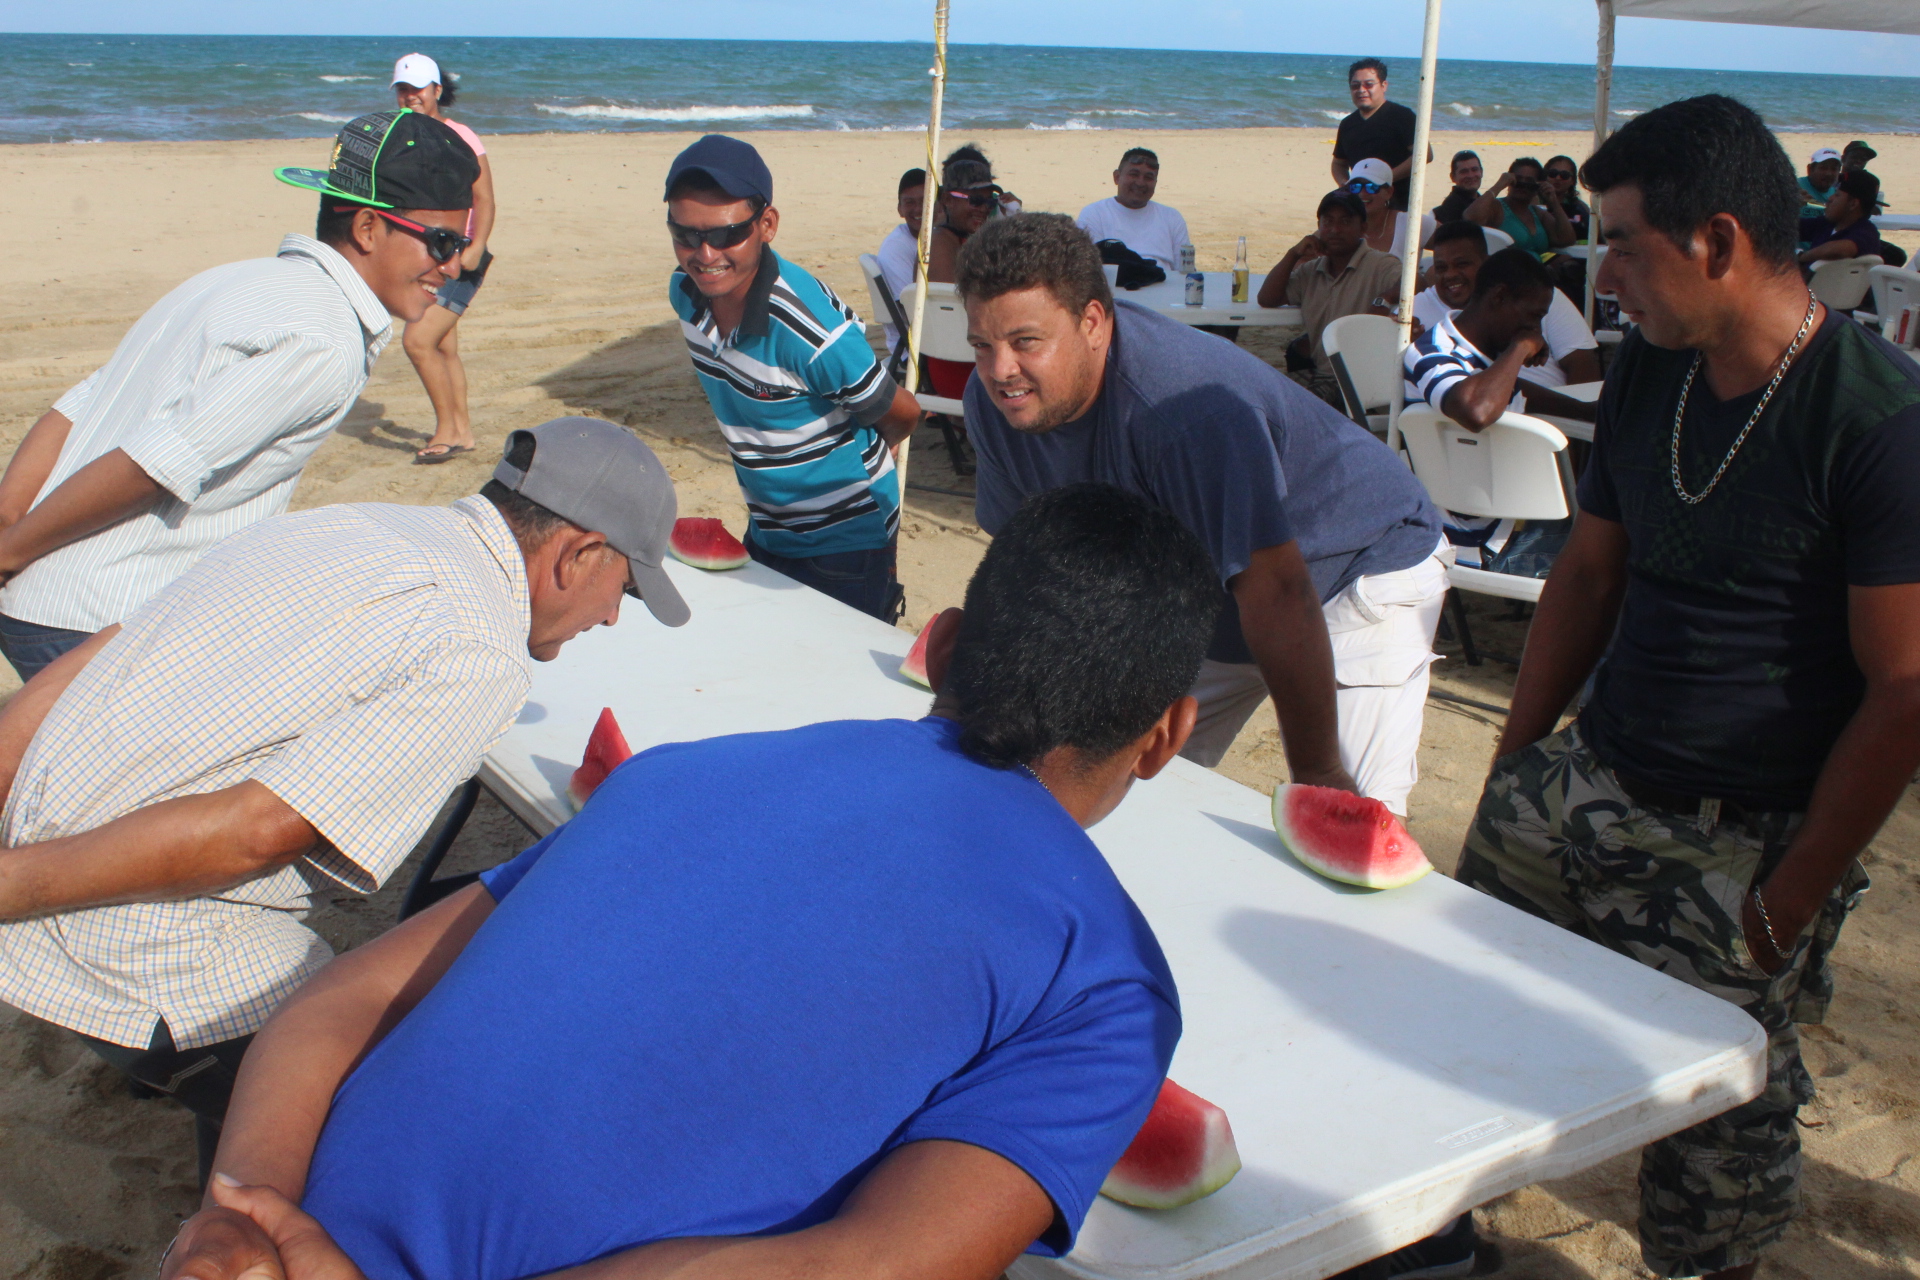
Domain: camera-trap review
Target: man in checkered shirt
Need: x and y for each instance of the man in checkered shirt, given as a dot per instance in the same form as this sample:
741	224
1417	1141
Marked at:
284	721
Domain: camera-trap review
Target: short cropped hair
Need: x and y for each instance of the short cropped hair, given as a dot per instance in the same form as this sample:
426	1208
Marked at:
1701	156
1086	620
1532	160
1448	232
334	225
1458	156
910	179
1342	201
1033	251
1139	153
532	524
696	182
1521	272
1374	65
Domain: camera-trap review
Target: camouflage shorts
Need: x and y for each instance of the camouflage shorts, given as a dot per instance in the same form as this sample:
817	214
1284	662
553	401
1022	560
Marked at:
1556	836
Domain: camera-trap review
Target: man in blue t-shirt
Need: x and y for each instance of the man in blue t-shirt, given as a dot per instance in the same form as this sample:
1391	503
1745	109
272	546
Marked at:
809	414
887	1005
1330	550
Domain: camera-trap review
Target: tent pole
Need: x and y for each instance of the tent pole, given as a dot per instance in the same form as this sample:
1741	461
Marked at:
930	203
1416	206
1602	112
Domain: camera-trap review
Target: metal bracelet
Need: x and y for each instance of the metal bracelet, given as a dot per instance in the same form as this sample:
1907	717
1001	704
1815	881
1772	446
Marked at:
1760	905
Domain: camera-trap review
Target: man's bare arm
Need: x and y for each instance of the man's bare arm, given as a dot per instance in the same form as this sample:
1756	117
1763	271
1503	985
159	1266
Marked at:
315	1040
1582	365
1570	630
1865	773
902	416
1281	618
27	710
31	464
1541	399
179	848
1477	401
105	491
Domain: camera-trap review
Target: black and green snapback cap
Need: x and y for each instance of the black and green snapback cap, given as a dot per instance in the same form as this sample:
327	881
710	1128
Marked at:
396	159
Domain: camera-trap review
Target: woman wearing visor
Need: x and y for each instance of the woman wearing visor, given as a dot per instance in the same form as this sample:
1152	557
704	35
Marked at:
968	197
431	343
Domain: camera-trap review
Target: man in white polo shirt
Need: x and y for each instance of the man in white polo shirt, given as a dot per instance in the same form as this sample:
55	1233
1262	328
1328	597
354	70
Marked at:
284	720
1131	216
213	402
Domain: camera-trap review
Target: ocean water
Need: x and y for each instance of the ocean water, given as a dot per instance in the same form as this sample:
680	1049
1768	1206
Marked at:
59	88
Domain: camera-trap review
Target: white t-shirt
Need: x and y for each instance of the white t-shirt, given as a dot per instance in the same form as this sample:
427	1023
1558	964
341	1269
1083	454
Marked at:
1565	330
1427	225
1156	231
898	254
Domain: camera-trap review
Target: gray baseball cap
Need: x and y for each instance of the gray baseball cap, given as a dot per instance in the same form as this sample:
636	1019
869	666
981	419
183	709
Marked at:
602	478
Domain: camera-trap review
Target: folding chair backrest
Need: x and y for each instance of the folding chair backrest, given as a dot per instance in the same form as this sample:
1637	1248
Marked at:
945	336
1368	347
1497	239
1894	288
1842	283
1508	470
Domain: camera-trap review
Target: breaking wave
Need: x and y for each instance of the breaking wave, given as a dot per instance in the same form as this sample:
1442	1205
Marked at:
594	112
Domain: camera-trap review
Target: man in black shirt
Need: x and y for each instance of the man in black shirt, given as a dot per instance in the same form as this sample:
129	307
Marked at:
1466	173
1743	584
1376	129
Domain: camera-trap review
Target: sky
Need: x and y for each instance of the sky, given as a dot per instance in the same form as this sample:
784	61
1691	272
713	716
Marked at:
1503	30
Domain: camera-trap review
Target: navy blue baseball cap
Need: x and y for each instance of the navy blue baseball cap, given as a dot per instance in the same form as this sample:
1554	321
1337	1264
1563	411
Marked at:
734	166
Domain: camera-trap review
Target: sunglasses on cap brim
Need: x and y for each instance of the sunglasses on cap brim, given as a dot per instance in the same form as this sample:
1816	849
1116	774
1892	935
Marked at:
442	245
715	237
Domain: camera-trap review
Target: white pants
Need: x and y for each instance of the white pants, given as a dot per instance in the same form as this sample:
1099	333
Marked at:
1382	630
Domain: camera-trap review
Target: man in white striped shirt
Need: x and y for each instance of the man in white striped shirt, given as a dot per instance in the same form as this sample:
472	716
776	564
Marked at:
283	721
201	422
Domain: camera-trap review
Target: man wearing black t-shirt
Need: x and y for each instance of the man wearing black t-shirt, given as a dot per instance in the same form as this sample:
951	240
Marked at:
1743	584
1376	129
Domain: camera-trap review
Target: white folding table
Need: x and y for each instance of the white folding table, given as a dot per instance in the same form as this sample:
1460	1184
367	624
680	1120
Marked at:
1386	1059
1169	298
1897	221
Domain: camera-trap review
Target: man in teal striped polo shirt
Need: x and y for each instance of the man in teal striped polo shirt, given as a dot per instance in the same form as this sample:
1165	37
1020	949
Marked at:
809	414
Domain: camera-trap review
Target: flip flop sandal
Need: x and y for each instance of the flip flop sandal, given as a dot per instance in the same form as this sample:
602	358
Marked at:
441	453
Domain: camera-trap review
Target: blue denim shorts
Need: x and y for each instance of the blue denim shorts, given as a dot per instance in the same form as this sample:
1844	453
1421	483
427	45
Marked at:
29	646
457	295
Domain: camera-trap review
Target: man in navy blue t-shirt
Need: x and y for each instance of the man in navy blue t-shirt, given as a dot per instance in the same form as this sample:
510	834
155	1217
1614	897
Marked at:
1331	552
884	1010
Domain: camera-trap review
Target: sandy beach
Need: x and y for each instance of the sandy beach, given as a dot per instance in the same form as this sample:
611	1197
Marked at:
574	319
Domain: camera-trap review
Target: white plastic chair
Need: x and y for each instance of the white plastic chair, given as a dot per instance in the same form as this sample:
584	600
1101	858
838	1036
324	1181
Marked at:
1842	283
1497	239
944	337
885	309
1894	289
1365	353
1511	471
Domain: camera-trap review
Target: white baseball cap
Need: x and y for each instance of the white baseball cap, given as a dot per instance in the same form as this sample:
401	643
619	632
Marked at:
1824	154
416	69
1372	170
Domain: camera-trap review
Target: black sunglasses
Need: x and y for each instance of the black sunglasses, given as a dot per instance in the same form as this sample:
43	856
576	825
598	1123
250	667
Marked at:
718	237
442	245
1560	173
979	199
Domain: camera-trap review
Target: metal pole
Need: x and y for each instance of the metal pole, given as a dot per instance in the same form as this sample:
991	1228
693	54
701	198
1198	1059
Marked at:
931	202
1602	113
1416	204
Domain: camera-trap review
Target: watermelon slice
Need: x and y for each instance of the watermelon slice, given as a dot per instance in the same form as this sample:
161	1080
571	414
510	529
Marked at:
704	543
1183	1153
1349	838
607	750
914	666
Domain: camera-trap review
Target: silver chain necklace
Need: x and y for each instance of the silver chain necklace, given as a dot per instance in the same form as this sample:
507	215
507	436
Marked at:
1036	777
1679	486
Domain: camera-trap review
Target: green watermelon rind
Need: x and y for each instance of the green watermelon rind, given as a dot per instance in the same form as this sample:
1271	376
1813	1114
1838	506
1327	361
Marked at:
1298	848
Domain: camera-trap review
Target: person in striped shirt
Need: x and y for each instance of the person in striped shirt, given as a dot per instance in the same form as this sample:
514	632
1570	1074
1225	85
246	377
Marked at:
201	422
808	413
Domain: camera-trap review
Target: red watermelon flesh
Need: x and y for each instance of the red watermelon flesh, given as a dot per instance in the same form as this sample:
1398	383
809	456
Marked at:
607	749
1183	1153
1353	839
704	543
914	667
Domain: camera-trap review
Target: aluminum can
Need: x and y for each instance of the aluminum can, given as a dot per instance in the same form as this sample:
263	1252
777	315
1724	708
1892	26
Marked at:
1196	289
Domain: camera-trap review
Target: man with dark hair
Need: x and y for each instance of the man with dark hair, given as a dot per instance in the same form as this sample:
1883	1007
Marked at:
283	721
1459	249
1448	366
808	413
1131	216
1332	273
1845	228
899	254
848	1021
1376	129
1465	172
1328	546
200	423
1743	587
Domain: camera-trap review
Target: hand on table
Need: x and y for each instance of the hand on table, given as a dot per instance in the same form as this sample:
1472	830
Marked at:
254	1233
